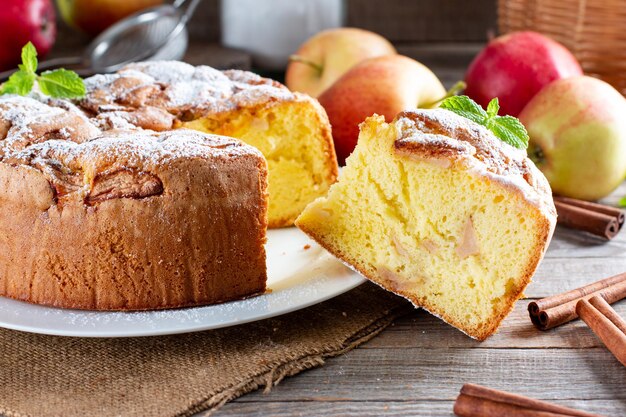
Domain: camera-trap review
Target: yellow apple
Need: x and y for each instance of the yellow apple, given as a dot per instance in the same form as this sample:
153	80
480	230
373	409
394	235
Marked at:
325	57
93	16
577	129
384	85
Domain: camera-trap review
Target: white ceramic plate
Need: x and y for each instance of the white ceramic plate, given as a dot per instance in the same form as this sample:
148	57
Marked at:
298	278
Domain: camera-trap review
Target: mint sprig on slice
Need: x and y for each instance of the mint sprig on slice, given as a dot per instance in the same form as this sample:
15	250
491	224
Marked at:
622	202
59	83
507	128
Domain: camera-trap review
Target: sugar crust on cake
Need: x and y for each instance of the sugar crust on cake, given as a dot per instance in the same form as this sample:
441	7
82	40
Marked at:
33	137
180	87
441	134
167	95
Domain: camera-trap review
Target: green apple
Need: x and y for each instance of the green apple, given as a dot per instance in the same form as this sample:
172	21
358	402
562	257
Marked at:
577	129
325	57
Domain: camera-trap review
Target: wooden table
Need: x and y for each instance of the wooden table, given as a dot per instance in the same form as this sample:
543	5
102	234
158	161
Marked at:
417	366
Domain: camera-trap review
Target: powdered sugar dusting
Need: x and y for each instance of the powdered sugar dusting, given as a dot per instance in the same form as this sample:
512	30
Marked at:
147	94
144	150
60	141
21	112
441	133
180	87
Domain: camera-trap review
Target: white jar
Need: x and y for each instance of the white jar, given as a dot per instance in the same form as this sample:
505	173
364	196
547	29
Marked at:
271	30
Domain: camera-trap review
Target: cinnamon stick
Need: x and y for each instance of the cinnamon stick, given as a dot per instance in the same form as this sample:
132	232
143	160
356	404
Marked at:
598	223
606	324
605	308
600	208
478	401
558	309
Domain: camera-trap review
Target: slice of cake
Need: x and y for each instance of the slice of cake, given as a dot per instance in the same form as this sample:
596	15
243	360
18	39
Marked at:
438	210
290	129
126	219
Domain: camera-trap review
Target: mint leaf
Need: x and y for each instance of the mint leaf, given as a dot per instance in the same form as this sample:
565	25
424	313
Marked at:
493	107
506	128
23	80
29	58
466	107
61	83
510	130
20	82
622	202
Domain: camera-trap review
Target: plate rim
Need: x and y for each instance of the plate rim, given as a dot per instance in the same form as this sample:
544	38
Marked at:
319	286
357	280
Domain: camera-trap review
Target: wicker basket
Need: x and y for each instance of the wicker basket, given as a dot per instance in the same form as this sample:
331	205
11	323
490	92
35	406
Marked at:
594	30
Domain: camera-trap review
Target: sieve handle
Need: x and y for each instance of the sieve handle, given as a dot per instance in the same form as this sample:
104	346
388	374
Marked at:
59	62
190	9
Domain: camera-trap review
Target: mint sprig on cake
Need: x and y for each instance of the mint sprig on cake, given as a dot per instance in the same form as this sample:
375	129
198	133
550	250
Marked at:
59	83
506	128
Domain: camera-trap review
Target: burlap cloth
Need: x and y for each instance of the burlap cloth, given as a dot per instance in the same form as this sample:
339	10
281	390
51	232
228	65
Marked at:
181	375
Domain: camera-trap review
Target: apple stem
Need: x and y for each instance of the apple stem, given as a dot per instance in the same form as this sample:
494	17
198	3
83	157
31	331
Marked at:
298	58
456	88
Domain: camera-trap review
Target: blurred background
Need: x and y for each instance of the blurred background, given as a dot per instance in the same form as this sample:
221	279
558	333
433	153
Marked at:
259	35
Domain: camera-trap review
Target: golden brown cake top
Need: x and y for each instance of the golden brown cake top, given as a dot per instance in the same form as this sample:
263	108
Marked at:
442	136
137	149
180	89
146	95
78	159
25	121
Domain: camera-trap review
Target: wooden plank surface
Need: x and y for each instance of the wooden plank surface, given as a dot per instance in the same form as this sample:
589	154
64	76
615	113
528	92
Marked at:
437	374
422	330
416	366
399	408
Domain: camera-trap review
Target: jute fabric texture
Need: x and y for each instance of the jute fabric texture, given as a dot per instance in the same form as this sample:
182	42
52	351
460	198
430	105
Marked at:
181	375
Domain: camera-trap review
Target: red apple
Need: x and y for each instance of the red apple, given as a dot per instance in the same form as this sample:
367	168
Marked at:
517	66
384	85
22	21
325	57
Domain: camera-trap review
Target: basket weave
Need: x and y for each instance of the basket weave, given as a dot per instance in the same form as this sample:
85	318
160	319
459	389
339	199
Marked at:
594	30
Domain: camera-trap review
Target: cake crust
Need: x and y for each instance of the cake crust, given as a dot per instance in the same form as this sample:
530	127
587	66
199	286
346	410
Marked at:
182	90
112	215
